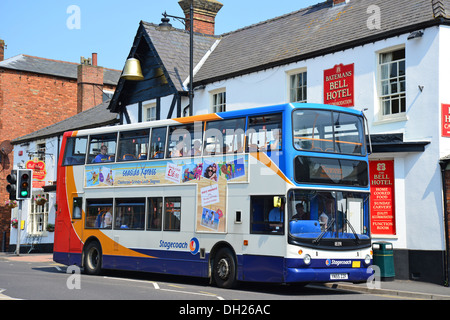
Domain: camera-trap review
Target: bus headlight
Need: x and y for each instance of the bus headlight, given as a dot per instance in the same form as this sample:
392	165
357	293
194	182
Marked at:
367	260
307	259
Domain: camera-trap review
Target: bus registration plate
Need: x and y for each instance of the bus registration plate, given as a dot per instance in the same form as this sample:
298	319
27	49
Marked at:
339	276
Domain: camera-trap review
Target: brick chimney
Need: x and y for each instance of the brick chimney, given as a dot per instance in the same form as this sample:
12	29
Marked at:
205	12
2	50
90	84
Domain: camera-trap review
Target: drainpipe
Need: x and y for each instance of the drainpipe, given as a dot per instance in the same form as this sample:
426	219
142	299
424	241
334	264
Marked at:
443	164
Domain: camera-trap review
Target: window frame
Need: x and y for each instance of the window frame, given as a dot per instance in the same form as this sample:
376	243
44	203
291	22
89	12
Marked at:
268	227
81	158
212	127
150	108
186	134
250	147
390	97
123	136
167	225
130	202
99	203
159	213
216	107
304	87
112	150
38	216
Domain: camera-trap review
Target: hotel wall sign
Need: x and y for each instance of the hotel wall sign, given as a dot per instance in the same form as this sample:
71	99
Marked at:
338	85
446	120
39	172
382	197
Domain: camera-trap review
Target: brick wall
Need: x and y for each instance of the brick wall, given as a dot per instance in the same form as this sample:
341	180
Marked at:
32	102
90	87
202	23
205	12
447	199
29	102
2	50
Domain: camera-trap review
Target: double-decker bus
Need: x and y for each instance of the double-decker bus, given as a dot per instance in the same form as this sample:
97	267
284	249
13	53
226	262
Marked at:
273	194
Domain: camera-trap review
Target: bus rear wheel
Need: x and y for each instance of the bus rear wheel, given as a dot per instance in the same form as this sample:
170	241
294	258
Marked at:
93	258
224	269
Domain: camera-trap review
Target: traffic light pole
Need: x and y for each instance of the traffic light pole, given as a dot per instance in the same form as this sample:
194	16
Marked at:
19	188
19	227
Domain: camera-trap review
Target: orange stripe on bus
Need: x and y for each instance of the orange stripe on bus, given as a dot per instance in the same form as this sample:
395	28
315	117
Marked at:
264	159
202	117
328	140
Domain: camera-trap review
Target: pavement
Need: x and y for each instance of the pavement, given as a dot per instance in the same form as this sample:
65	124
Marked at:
407	289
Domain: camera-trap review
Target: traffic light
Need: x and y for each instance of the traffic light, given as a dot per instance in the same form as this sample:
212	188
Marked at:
24	186
12	186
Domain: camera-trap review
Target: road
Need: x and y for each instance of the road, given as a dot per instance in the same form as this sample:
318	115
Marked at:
47	280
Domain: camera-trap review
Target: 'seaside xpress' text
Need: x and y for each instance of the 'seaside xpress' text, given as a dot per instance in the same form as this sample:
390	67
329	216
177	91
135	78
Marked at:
173	245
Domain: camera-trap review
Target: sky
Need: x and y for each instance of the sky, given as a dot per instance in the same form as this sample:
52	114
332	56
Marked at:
68	29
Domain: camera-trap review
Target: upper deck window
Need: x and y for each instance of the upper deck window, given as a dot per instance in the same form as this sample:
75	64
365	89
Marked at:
133	145
75	153
185	140
102	148
224	136
264	133
331	132
158	142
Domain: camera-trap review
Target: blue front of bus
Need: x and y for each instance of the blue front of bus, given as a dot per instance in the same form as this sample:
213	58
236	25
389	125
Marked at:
328	209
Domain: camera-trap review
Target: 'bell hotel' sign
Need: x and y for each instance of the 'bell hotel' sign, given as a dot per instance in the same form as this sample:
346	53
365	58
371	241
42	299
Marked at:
339	85
446	120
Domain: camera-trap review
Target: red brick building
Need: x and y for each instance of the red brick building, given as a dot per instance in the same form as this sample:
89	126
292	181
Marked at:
37	92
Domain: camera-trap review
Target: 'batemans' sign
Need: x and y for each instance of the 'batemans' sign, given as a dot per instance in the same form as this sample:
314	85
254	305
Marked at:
338	85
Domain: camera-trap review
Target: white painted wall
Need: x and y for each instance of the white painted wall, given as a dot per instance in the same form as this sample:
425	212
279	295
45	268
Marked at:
51	162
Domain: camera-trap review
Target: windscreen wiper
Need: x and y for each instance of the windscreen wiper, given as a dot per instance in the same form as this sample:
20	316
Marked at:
317	240
353	230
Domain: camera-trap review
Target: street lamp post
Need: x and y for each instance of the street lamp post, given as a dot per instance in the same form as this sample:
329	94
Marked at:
166	26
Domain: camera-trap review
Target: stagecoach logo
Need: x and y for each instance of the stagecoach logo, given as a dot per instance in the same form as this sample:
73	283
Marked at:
337	263
194	246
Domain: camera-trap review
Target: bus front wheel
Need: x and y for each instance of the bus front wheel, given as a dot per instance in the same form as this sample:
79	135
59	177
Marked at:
93	258
224	269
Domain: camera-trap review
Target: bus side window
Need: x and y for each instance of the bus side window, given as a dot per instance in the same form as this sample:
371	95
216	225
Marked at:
77	207
183	139
264	133
172	214
130	214
133	145
75	153
99	213
264	217
225	136
102	148
154	214
158	143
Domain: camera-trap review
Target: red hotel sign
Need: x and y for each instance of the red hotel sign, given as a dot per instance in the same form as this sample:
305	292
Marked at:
382	197
339	86
446	120
39	172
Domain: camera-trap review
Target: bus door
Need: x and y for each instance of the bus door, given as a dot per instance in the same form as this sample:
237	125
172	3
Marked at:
267	239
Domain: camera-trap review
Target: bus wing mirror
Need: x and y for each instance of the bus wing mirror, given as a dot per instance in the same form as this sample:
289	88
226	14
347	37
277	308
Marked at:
278	202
